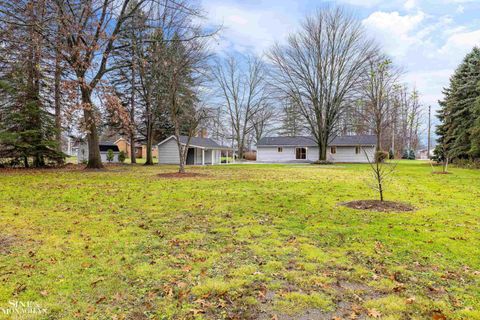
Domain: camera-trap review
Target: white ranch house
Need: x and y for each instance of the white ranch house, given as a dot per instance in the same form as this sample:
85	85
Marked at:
201	151
305	149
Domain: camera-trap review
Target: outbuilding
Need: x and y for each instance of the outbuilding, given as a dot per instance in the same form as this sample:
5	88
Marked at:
350	148
201	151
82	153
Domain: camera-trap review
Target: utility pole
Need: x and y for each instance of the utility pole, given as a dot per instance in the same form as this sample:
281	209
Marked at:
429	128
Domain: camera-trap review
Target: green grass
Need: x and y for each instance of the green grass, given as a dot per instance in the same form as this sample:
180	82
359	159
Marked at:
244	241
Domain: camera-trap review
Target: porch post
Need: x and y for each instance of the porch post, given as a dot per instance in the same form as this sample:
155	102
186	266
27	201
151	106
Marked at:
213	154
203	157
226	158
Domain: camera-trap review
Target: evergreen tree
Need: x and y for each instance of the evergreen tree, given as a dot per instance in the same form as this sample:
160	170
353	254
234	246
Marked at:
458	132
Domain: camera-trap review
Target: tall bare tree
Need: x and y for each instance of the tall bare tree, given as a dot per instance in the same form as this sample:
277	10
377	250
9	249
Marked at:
375	92
242	84
320	67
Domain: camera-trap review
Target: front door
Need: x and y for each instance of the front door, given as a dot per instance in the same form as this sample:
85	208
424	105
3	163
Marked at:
191	156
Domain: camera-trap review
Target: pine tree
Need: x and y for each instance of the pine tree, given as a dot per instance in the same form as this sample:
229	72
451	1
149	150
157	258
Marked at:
459	115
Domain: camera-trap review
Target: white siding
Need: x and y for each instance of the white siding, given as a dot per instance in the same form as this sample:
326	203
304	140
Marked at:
103	155
168	153
82	155
347	154
344	154
271	154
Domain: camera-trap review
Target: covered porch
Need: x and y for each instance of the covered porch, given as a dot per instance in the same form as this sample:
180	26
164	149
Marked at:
209	156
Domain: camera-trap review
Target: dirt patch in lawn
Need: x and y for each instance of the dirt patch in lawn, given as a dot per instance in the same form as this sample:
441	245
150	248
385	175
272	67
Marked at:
441	172
6	242
177	175
377	205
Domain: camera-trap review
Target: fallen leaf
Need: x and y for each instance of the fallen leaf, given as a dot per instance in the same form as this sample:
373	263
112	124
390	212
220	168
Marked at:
44	293
374	313
410	300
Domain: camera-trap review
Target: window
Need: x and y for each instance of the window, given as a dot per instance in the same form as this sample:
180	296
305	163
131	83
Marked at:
279	149
333	150
357	150
300	153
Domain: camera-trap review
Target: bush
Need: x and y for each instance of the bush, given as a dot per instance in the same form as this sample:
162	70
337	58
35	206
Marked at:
467	163
408	154
391	155
122	156
250	155
322	162
110	155
381	156
411	155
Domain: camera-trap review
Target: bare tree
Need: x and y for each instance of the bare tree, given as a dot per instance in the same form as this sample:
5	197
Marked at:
319	68
375	92
382	172
262	122
242	83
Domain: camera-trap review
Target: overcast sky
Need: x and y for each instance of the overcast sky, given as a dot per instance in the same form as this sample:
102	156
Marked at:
428	38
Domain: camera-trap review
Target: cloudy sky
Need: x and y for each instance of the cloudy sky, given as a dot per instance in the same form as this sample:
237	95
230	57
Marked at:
428	38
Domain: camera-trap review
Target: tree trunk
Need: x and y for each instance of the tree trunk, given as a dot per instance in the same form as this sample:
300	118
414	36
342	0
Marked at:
181	166
379	139
149	160
57	101
133	156
149	157
94	159
322	151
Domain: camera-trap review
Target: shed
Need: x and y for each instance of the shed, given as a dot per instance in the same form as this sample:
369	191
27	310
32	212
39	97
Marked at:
82	155
201	151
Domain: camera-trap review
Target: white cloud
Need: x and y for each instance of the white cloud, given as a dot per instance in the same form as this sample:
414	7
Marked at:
430	84
394	31
363	3
460	9
245	29
459	44
410	4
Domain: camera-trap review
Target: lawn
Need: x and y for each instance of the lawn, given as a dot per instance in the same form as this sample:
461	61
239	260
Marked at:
240	242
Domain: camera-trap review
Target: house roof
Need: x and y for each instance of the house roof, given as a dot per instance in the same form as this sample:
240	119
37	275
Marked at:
206	143
105	146
306	141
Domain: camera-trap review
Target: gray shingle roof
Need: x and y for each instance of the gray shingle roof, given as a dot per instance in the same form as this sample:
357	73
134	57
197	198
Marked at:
202	142
310	141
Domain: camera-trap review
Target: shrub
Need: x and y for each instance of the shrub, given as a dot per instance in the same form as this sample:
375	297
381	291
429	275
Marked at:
408	154
250	155
322	162
391	155
411	155
122	156
381	156
110	155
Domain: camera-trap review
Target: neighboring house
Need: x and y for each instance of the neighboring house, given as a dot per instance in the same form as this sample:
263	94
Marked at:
305	149
423	154
140	149
201	151
104	147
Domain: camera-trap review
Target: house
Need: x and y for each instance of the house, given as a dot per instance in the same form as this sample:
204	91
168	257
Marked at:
82	155
425	155
305	149
140	149
201	151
